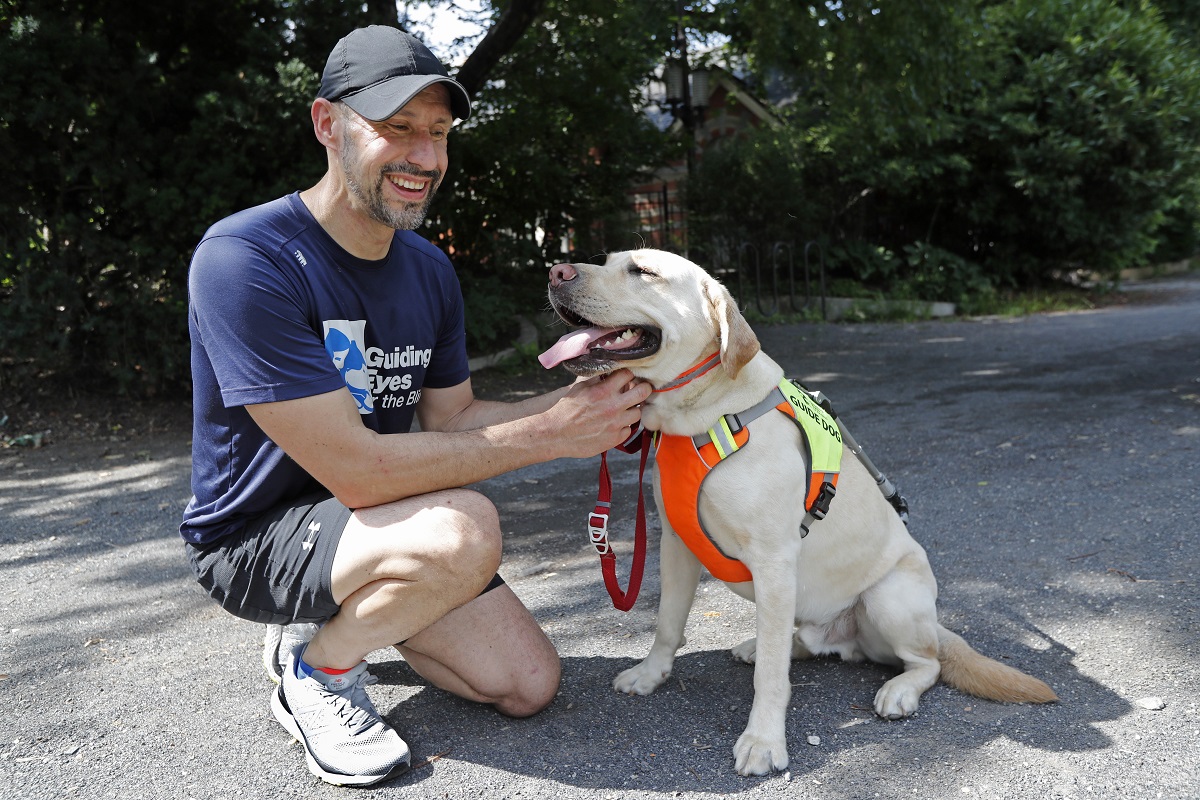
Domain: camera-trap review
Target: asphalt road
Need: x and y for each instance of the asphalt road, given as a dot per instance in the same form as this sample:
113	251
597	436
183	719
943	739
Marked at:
1052	464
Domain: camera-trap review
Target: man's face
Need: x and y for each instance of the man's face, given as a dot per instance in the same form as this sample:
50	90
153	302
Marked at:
393	168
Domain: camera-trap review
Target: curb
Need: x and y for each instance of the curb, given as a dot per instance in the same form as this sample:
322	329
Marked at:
527	336
837	308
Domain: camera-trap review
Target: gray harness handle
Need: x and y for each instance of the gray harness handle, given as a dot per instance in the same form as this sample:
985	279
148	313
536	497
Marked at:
886	487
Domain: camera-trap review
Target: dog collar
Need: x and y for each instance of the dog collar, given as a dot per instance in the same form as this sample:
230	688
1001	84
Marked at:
692	374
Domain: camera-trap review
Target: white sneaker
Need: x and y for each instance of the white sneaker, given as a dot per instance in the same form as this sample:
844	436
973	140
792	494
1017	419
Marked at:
345	741
280	641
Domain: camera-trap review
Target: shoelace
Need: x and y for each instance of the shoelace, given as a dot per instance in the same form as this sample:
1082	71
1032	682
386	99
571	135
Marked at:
353	706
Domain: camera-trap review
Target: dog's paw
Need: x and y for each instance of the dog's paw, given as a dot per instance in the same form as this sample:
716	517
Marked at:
894	700
758	755
642	679
746	651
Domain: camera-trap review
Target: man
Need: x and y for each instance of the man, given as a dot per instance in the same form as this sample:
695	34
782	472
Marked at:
320	324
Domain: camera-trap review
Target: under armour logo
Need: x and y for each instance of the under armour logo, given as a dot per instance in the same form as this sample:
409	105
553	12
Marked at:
313	529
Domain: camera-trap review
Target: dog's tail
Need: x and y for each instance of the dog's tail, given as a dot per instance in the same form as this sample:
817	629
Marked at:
968	671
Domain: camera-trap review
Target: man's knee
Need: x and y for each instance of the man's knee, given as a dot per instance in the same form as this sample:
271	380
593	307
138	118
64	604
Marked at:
534	676
459	533
471	526
546	695
537	691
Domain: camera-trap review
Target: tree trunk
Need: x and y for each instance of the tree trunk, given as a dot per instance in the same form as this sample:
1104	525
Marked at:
500	39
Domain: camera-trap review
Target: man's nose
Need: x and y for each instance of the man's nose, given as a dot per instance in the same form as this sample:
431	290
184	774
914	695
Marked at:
423	153
561	273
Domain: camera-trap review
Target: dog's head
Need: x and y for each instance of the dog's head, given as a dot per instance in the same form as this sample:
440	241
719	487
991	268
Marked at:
656	313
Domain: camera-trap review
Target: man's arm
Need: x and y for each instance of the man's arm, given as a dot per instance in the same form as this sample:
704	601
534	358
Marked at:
469	441
458	409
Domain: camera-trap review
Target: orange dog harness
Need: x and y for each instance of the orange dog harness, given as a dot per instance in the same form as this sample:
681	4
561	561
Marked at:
685	461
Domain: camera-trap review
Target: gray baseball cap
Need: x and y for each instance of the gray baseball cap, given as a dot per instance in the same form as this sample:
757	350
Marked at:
376	70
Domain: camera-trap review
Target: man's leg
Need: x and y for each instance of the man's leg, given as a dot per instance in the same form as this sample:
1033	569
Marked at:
491	651
412	572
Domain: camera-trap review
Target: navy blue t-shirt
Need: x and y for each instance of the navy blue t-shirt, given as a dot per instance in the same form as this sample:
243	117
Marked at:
278	311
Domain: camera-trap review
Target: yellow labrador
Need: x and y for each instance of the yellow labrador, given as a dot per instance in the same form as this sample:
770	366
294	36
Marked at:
857	586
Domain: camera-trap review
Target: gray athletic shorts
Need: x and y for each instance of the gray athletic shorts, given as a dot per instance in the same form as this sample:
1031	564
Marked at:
279	570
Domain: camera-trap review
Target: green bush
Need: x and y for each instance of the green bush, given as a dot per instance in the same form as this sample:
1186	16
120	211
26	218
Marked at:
1097	112
936	274
139	126
1063	136
1078	148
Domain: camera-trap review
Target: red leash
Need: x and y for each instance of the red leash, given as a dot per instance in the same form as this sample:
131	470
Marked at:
598	519
598	527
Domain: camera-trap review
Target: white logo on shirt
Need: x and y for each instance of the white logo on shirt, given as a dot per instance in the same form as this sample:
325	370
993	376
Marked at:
376	378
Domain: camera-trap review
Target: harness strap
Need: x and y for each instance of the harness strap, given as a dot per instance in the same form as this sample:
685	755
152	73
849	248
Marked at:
820	493
735	422
683	467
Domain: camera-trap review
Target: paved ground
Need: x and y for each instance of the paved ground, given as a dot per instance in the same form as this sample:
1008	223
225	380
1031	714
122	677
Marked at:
1052	465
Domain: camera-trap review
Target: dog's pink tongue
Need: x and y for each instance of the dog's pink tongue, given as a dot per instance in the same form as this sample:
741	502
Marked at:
572	345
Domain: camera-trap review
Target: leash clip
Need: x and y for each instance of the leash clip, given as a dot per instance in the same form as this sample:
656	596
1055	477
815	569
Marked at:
598	532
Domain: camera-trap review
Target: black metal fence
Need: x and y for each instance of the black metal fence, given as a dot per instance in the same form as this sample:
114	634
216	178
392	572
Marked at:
773	278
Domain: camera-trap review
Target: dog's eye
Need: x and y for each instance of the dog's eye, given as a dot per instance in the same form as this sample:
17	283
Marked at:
637	269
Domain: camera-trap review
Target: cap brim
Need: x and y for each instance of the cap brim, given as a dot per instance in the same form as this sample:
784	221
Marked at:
382	100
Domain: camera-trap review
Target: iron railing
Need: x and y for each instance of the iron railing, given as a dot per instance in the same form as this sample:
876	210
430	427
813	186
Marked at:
768	283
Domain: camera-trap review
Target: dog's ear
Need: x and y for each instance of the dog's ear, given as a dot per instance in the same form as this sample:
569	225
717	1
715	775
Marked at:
738	342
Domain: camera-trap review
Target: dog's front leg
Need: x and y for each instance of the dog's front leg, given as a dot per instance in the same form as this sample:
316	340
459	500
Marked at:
679	573
763	745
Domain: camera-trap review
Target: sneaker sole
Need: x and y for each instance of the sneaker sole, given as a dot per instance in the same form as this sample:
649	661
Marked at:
283	715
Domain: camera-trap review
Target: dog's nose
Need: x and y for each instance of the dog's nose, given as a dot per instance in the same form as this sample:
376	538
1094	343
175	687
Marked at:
561	273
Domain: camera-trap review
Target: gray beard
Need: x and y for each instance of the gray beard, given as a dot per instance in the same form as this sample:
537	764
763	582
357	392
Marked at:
406	218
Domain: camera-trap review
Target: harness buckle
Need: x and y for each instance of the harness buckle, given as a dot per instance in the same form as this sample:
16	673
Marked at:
820	506
598	532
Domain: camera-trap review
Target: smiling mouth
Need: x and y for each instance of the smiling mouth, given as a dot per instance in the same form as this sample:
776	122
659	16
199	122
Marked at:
593	348
407	184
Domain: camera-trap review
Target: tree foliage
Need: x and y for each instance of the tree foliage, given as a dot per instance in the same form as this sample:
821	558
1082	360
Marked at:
557	138
1084	144
138	125
944	146
1072	150
1034	138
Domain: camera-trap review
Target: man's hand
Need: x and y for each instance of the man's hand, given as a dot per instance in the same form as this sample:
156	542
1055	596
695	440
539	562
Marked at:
597	414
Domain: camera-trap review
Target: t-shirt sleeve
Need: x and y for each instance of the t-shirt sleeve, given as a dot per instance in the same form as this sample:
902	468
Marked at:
254	326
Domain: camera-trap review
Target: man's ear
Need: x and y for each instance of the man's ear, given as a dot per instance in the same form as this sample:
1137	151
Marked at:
324	115
738	342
